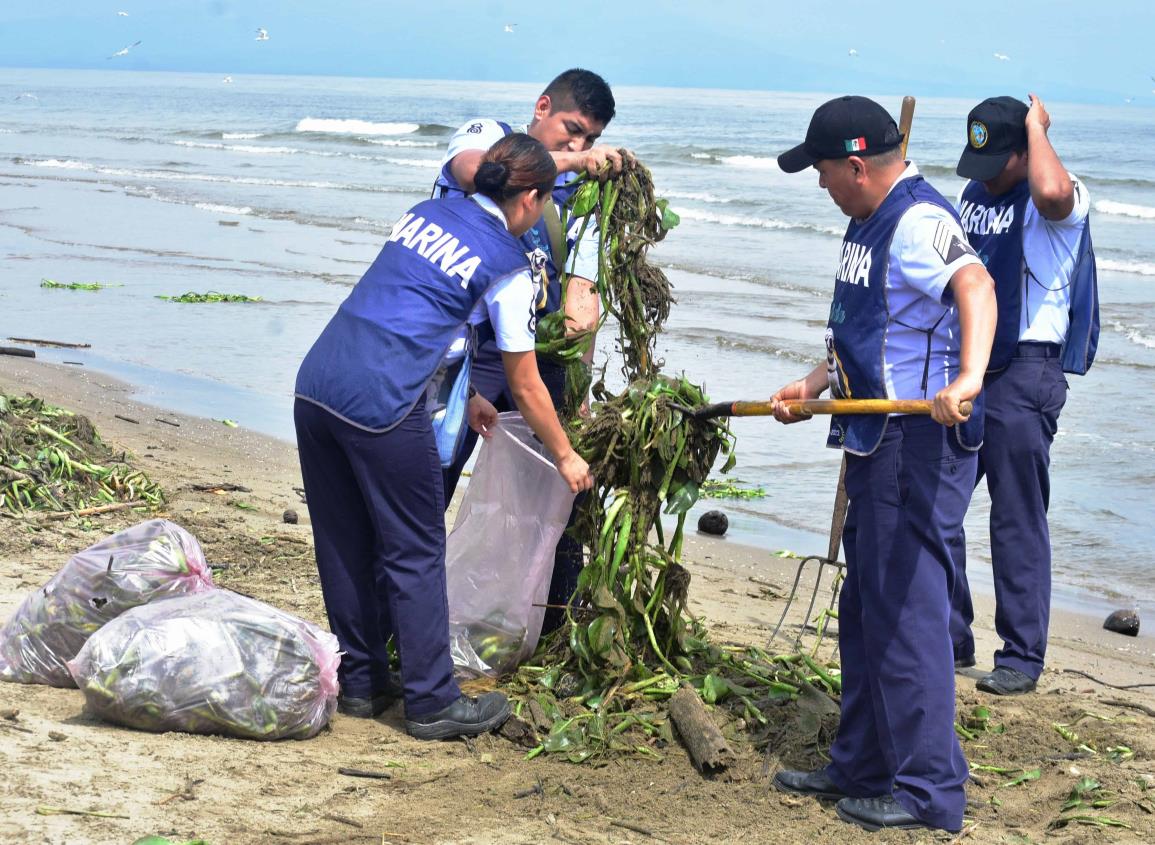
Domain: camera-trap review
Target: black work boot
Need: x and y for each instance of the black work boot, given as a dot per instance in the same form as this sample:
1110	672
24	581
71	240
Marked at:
464	717
1006	681
817	784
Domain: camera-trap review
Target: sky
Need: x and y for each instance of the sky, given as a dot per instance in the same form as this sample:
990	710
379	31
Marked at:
1062	49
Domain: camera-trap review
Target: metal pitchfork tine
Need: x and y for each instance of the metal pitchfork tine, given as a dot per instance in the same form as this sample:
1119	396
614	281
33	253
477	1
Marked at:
838	520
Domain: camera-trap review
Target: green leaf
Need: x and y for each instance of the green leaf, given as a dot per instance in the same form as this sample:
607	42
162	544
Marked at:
585	199
681	497
670	218
600	634
1033	774
714	689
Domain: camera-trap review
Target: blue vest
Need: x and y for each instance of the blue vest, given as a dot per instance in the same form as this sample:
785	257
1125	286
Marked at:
376	356
860	319
447	185
994	227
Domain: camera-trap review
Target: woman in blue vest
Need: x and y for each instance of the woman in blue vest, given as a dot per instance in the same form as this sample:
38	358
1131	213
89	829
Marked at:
369	456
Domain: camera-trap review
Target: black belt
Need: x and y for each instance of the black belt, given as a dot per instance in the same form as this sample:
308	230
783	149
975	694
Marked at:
1034	349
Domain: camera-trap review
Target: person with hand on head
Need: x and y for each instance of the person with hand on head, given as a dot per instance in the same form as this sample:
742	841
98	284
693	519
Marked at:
912	317
568	118
369	456
1027	218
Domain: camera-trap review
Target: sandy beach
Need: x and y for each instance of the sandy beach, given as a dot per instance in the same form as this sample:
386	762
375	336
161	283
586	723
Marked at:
234	791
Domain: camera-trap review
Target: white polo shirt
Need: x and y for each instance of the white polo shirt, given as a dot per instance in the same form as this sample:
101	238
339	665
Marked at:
918	295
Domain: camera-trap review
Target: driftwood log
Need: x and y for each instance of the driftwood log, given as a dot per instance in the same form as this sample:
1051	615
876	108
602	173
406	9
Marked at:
708	748
57	343
17	351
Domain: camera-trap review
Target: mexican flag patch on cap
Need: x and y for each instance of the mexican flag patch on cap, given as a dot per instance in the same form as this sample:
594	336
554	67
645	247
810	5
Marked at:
855	145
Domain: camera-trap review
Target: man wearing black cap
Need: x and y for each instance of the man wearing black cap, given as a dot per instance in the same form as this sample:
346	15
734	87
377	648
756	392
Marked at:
1027	218
913	317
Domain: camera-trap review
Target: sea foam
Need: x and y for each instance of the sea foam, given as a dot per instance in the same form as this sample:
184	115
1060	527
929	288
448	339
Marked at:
1138	268
353	127
755	222
223	209
1125	209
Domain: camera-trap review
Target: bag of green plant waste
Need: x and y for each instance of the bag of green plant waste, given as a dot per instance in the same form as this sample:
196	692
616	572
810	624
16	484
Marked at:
152	560
211	663
499	556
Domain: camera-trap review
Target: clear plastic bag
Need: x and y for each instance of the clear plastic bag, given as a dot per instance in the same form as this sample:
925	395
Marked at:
149	561
499	556
213	663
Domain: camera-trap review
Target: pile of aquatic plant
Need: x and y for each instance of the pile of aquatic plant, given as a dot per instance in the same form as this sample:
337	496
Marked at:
49	283
600	683
52	460
211	296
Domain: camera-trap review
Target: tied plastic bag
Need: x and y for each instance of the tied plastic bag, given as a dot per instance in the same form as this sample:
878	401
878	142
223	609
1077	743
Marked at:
213	663
149	561
499	556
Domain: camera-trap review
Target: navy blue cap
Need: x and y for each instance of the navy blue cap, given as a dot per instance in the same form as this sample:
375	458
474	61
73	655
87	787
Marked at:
847	126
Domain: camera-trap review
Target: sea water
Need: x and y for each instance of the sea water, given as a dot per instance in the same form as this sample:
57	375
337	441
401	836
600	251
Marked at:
283	188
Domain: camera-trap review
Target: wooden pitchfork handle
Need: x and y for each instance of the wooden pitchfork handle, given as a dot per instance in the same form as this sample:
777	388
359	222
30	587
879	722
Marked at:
809	407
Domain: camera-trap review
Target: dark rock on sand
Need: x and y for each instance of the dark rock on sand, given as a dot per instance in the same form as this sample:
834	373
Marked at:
290	517
1123	622
713	522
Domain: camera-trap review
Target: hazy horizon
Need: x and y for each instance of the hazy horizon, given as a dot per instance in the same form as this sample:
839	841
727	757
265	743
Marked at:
1061	50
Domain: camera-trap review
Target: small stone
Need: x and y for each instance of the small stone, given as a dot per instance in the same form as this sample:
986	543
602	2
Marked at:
713	522
1123	622
290	517
57	736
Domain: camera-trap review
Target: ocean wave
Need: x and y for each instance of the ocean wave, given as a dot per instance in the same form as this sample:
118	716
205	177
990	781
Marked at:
1126	182
1125	209
161	175
695	195
241	136
399	142
745	161
1138	268
240	148
760	345
333	126
1134	334
223	209
753	222
413	162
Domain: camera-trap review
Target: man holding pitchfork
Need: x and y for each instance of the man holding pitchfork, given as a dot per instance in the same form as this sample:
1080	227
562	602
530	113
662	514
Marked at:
913	317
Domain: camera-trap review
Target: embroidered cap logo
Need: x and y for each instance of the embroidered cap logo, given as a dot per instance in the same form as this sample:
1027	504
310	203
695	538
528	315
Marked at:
979	135
855	145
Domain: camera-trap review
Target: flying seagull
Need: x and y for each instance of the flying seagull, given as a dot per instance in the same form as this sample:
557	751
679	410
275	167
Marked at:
1002	57
852	52
262	34
122	14
124	52
27	95
227	79
509	27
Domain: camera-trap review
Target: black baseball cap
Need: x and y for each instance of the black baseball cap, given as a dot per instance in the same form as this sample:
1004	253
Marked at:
841	128
996	128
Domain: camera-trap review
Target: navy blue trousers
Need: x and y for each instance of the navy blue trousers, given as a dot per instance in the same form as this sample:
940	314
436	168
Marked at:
375	501
896	734
488	377
1023	403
